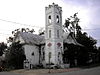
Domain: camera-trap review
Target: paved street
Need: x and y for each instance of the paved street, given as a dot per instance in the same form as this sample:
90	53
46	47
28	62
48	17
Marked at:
93	71
8	73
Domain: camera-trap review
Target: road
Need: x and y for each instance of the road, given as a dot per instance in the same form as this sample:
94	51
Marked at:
92	71
8	73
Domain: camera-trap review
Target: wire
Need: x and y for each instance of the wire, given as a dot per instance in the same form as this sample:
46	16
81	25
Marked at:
38	26
4	34
19	23
98	39
91	29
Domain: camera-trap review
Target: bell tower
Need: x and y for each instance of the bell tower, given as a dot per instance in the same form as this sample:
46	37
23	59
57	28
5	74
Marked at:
53	35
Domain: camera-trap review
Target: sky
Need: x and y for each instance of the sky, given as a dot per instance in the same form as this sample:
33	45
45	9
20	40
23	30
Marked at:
16	14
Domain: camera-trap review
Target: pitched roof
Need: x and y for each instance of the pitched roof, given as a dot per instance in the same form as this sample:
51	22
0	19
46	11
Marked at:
30	38
70	39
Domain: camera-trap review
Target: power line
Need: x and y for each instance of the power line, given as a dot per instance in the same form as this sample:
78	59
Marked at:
98	39
39	26
91	29
19	23
4	34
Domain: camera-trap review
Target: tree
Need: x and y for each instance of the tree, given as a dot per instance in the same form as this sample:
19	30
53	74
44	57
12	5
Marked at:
99	54
15	55
41	31
88	43
27	30
72	24
3	46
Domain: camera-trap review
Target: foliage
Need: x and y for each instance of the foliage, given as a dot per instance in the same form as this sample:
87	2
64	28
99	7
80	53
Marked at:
3	46
87	51
72	24
22	30
15	55
98	54
41	31
27	30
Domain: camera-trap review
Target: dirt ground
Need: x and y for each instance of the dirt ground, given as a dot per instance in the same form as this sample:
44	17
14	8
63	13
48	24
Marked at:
43	71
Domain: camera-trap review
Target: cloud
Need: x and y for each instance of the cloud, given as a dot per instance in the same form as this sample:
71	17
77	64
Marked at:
32	12
89	15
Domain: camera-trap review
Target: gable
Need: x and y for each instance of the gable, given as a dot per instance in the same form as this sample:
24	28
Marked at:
19	38
29	38
70	39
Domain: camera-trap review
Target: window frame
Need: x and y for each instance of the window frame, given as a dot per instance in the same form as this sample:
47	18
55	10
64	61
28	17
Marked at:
49	33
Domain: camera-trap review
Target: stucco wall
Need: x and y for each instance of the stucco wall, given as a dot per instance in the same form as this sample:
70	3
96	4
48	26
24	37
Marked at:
29	49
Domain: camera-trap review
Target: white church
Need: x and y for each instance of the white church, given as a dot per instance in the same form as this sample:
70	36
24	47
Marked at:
48	48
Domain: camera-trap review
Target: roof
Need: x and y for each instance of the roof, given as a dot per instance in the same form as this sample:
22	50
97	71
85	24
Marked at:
30	38
70	39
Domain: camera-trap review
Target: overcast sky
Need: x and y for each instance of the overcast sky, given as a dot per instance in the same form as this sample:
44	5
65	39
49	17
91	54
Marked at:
32	12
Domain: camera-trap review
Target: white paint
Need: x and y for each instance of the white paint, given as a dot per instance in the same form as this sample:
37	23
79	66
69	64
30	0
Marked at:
19	38
29	49
53	10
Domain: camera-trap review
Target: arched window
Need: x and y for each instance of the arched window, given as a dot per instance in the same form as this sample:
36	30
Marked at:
57	33
58	54
32	53
49	19
43	56
49	33
57	19
50	54
59	57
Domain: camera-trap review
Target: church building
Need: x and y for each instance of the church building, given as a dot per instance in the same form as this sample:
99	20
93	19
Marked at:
47	49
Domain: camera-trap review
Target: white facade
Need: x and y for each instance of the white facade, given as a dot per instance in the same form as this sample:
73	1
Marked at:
47	49
53	35
32	54
31	50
